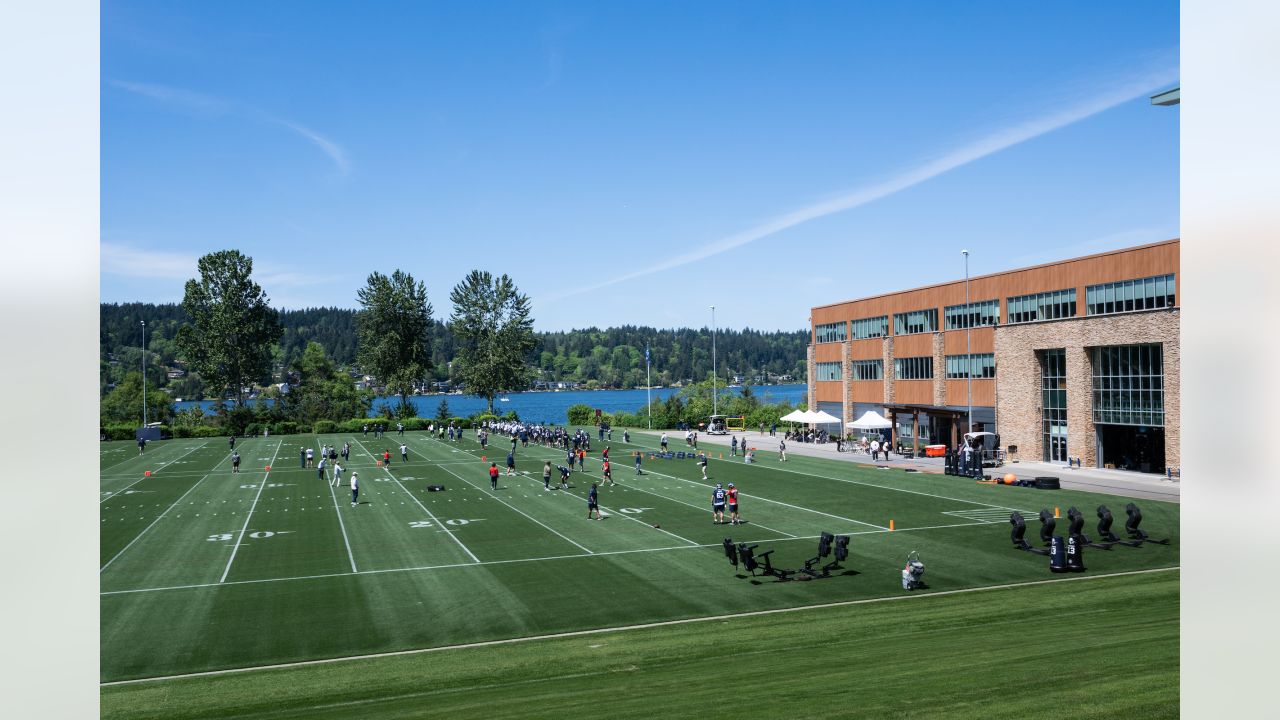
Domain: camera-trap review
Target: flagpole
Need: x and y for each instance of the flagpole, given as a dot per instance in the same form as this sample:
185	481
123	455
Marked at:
648	386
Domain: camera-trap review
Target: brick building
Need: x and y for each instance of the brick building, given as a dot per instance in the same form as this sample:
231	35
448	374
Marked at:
1077	358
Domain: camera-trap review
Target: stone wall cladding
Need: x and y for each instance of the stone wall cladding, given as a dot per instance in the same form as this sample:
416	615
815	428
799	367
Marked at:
846	372
1018	377
811	368
886	356
939	370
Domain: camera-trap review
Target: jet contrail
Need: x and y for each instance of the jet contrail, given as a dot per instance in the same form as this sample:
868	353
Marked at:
988	145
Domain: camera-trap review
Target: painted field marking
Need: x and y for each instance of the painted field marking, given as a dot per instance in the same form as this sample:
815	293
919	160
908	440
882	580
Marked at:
153	522
419	503
248	516
341	524
645	626
576	544
991	515
153	472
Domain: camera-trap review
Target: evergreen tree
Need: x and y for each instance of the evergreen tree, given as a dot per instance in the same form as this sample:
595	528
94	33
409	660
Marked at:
394	329
231	330
494	332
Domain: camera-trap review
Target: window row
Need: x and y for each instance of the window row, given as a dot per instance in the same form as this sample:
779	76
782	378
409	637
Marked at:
828	371
868	369
1131	295
916	321
870	327
981	365
913	368
831	332
1042	306
975	314
1128	361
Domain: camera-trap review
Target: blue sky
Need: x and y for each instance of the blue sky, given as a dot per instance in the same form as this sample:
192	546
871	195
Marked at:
630	162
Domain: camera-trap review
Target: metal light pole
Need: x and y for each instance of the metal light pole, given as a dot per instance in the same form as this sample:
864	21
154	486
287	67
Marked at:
144	373
714	407
968	352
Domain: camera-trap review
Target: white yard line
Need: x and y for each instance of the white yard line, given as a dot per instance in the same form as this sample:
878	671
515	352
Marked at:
342	525
698	507
153	522
777	502
873	485
513	507
424	507
153	472
645	626
261	487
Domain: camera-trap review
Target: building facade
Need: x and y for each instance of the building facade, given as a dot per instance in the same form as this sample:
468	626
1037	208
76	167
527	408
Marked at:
1072	359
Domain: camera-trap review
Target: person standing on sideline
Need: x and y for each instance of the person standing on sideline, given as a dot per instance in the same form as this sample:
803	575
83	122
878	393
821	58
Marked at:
593	504
321	468
702	463
142	445
717	504
232	441
639	458
346	451
626	436
404	453
302	457
782	450
733	504
355	487
875	450
511	463
762	429
664	442
546	475
493	475
733	446
235	461
337	475
366	430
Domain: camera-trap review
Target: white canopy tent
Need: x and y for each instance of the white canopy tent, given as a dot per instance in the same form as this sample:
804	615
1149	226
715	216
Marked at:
870	420
799	416
822	417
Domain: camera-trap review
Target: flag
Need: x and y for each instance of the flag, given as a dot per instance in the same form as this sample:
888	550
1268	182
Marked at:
646	354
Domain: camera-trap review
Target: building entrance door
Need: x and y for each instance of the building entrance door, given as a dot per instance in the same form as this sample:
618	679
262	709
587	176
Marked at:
1131	447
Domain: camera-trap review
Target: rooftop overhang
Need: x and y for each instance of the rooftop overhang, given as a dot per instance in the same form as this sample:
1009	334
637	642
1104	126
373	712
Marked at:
1166	98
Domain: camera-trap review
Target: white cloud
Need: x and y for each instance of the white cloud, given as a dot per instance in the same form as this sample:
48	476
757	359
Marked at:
133	262
1004	138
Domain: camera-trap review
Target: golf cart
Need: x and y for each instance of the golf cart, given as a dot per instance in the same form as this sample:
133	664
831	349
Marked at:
716	425
988	447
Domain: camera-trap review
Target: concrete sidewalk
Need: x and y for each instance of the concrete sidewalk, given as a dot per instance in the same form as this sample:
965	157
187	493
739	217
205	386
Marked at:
1141	486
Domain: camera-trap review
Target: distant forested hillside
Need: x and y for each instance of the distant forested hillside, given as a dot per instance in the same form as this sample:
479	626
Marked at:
592	357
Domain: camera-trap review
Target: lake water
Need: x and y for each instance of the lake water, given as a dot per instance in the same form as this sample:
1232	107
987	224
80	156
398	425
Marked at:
552	407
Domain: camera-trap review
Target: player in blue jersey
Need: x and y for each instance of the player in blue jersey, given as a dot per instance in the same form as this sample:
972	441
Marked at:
593	504
717	504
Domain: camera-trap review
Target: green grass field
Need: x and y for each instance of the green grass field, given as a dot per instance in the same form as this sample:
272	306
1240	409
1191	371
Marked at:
205	570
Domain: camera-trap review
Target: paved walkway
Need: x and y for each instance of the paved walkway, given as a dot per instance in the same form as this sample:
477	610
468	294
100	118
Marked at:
1141	486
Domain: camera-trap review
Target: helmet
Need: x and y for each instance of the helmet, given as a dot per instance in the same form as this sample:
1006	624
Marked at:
718	486
730	484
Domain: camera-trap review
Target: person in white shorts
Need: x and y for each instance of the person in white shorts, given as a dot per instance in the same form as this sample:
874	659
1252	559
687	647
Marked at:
337	474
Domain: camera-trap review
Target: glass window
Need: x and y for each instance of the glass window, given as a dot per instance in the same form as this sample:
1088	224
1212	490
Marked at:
1130	295
871	327
1042	306
831	332
1127	384
828	371
913	368
979	366
916	321
868	369
977	314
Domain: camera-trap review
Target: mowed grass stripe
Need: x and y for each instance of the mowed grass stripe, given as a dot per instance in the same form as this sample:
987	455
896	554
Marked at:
249	516
569	508
172	454
896	659
127	514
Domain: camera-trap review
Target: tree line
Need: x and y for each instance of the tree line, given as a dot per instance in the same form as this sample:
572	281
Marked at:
225	341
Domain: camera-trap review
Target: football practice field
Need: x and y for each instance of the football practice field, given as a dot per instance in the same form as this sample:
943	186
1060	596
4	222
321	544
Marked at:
204	570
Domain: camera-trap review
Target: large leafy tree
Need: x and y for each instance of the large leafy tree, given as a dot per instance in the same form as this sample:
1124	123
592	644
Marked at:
324	392
494	334
124	403
231	330
394	333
